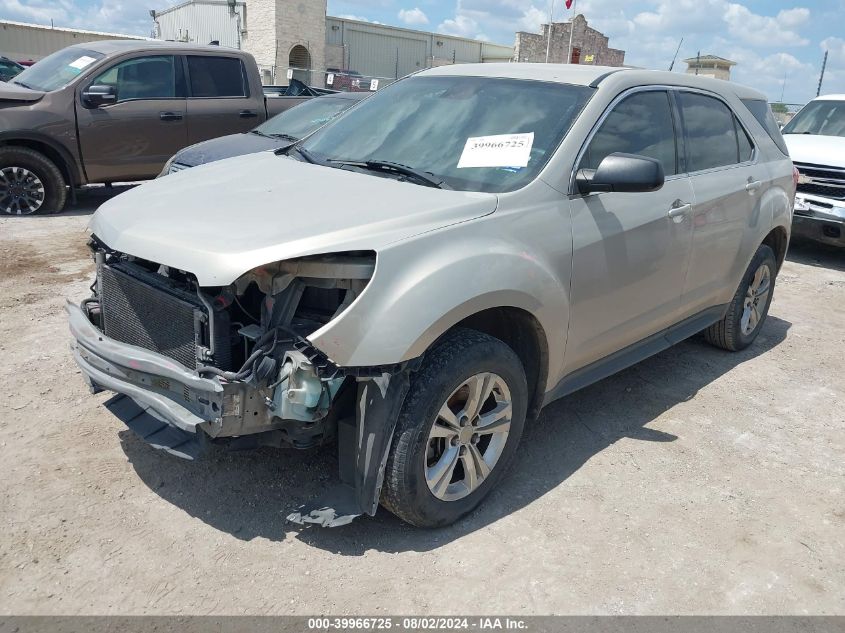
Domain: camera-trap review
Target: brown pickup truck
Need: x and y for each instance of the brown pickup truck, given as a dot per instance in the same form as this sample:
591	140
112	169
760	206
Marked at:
116	111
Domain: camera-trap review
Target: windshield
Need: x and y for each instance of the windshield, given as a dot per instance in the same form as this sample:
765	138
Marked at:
826	118
303	119
57	70
473	133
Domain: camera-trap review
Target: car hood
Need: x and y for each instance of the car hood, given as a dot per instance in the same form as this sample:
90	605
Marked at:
221	220
14	92
815	149
227	147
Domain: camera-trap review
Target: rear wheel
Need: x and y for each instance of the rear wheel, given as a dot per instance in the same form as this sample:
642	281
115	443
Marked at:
458	429
29	183
748	310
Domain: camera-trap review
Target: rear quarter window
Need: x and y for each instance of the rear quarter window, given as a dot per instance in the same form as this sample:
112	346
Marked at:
763	113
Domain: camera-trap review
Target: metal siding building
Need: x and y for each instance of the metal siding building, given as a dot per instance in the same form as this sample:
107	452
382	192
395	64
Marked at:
21	41
204	22
384	51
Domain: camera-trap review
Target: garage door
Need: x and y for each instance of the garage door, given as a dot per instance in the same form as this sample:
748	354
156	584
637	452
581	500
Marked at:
377	55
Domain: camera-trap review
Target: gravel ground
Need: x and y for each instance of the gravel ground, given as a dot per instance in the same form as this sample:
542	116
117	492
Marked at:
696	482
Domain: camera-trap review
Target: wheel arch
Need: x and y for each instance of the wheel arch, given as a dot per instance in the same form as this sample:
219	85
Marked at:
522	332
778	240
58	154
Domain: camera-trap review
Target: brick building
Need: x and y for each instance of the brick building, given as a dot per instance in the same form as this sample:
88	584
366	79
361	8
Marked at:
588	45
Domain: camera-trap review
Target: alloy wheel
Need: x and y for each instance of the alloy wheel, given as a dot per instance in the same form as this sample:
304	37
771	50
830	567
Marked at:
756	298
21	191
468	436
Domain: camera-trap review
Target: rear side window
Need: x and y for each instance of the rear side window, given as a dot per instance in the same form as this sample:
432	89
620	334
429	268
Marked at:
763	113
639	124
217	76
746	147
711	132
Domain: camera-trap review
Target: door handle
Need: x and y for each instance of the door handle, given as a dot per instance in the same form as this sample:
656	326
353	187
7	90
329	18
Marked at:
247	114
753	185
679	210
170	116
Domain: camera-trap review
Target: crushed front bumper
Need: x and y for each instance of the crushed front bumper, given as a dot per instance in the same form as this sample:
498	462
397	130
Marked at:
160	386
820	219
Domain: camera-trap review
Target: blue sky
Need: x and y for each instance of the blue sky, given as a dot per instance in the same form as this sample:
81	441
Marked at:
771	40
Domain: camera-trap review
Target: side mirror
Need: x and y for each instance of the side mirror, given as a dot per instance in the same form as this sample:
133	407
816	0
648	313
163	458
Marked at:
622	173
99	95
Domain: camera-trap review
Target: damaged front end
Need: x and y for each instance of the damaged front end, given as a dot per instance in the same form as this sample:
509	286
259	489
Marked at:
232	365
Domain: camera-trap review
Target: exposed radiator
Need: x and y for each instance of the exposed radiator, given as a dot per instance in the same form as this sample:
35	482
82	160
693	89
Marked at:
141	309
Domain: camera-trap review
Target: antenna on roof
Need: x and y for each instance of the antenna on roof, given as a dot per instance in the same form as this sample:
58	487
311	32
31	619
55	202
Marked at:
678	50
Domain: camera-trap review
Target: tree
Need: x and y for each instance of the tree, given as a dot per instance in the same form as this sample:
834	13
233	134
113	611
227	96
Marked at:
779	108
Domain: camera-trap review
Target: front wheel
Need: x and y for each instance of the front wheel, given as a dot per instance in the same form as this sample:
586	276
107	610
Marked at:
29	183
458	429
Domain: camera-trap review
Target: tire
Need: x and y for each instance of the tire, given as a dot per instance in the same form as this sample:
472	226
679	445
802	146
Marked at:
462	360
30	183
734	332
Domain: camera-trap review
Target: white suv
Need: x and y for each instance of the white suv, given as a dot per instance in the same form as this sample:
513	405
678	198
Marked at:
426	272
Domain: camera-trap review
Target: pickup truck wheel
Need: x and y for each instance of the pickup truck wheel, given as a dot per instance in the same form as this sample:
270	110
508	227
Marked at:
458	429
29	183
748	310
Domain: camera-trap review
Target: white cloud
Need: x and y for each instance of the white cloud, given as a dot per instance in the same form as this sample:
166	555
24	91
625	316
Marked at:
349	16
116	16
413	16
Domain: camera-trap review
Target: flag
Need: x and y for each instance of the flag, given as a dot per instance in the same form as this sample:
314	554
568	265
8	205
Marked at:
569	4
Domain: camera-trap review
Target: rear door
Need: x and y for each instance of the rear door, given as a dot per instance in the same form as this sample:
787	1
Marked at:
631	250
133	138
728	183
219	99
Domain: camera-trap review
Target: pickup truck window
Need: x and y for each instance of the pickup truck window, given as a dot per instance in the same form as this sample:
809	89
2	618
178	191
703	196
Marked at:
431	123
57	70
825	118
142	78
217	76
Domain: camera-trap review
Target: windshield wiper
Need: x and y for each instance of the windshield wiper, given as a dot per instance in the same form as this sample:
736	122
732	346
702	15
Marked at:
423	177
286	137
20	83
308	156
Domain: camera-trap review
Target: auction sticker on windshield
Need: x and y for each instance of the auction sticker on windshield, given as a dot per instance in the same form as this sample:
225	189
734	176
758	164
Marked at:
82	62
500	150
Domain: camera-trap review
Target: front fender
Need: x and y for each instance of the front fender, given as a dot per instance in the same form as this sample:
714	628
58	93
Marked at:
424	286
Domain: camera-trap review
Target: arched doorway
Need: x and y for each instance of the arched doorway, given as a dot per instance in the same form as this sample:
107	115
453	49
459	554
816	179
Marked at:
299	61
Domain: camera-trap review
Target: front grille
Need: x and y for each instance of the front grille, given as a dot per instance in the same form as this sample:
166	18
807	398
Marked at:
139	313
821	180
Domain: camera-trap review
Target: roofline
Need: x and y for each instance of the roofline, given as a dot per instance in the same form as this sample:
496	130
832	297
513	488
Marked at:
186	3
407	30
72	30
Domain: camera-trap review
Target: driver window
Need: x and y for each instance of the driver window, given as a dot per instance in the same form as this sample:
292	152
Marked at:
142	78
639	124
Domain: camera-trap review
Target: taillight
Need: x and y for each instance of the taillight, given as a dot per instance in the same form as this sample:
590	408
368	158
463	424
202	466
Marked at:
795	176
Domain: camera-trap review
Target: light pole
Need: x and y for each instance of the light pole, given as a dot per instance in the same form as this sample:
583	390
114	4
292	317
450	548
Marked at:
551	23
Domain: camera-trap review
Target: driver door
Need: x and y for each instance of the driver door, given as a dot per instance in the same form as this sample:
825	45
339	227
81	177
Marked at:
132	138
630	250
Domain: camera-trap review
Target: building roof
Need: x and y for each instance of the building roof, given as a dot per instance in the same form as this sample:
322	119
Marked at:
710	59
47	27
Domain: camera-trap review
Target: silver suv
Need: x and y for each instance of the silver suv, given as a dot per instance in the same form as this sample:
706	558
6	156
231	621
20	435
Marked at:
426	272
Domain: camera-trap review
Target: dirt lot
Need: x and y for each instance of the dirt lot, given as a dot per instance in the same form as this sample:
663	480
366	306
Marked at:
696	482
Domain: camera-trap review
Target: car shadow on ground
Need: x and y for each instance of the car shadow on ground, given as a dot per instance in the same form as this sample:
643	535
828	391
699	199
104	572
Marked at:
249	494
804	251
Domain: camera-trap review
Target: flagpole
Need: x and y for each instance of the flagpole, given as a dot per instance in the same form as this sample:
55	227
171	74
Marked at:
571	31
549	38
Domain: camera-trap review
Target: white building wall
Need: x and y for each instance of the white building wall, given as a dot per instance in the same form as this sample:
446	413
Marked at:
203	21
23	42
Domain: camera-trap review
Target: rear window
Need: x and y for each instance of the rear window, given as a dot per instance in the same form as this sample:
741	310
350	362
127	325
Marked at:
711	132
217	77
763	113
